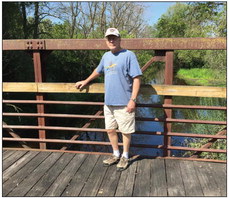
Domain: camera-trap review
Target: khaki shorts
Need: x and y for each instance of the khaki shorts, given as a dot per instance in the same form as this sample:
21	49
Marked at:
118	117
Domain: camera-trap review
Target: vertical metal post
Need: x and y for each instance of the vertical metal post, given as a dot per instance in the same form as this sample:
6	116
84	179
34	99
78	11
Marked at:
168	100
39	97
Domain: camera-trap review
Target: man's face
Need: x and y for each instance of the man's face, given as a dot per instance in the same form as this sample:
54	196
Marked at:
113	42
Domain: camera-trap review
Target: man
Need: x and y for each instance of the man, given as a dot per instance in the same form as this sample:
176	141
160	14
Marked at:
122	83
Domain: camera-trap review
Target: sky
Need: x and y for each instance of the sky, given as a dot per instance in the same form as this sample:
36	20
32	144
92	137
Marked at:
154	10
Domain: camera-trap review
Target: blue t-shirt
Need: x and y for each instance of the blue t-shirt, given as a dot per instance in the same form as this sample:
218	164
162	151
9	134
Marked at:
119	68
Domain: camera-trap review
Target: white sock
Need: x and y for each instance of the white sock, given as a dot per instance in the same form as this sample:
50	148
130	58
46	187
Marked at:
116	153
126	155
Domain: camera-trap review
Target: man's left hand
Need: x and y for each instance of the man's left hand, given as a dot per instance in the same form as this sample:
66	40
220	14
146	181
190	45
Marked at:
131	106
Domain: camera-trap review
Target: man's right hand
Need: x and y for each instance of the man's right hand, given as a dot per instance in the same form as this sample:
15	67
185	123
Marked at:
80	84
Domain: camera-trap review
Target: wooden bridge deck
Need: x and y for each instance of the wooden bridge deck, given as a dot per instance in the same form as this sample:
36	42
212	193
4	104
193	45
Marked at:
33	173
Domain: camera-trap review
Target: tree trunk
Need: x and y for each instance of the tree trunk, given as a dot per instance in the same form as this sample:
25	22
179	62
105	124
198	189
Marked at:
24	20
36	20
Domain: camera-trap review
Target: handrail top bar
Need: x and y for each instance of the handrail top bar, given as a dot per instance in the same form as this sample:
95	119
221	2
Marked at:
218	43
169	90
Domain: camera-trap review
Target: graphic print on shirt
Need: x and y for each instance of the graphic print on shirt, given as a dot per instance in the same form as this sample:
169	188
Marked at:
111	69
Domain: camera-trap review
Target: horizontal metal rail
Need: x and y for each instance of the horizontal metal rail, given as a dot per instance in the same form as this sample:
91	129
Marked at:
102	117
104	130
132	44
54	128
193	135
165	106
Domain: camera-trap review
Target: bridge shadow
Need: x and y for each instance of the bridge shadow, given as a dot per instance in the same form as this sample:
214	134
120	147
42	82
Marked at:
135	158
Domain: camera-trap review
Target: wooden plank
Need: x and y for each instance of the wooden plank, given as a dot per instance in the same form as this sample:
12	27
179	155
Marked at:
131	44
45	182
81	176
66	175
14	168
168	90
126	182
19	87
142	179
174	179
110	182
179	90
220	176
94	181
34	177
69	88
7	153
16	179
198	178
12	159
190	179
208	184
158	178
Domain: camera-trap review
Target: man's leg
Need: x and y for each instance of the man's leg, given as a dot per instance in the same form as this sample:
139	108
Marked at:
123	163
113	137
126	144
111	125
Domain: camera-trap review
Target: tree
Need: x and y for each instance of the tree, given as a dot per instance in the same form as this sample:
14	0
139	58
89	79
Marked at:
11	20
199	19
91	19
173	23
127	16
207	16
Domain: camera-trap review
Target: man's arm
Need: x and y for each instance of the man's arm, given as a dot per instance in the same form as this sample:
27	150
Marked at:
136	86
81	84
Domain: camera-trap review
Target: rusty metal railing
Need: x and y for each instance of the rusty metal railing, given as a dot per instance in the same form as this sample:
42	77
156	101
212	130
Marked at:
99	116
164	50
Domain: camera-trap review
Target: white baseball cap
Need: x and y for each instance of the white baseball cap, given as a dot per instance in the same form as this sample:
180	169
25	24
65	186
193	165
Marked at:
112	31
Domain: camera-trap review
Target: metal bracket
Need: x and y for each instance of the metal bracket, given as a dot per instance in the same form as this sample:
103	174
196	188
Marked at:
159	55
35	45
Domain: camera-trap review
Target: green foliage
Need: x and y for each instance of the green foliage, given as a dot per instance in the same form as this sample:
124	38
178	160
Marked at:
190	58
11	20
208	16
125	34
17	66
199	76
216	60
59	31
71	66
197	19
173	23
196	73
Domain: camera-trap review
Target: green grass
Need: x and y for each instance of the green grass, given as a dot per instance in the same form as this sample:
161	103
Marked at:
200	76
